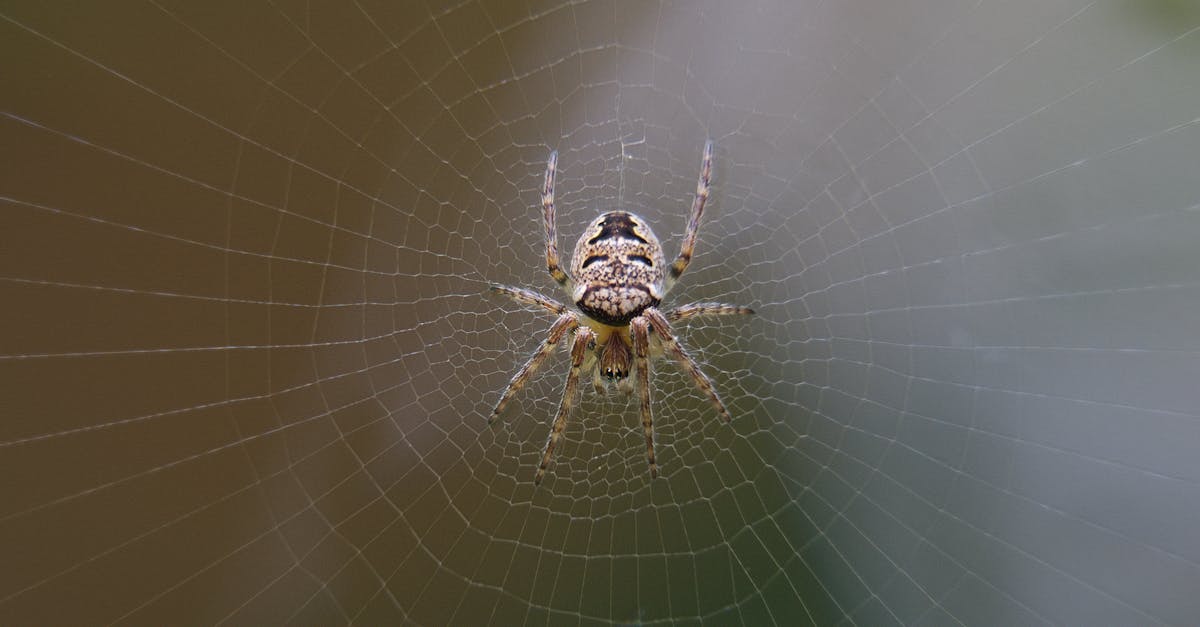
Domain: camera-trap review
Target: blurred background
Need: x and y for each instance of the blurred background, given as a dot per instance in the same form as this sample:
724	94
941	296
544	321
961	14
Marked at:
248	349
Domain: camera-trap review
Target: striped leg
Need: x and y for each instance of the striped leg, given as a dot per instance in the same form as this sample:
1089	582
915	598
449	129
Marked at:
696	310
565	323
548	218
662	328
640	330
529	297
583	338
689	237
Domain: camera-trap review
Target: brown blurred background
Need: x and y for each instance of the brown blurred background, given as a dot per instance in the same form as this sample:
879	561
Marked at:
248	351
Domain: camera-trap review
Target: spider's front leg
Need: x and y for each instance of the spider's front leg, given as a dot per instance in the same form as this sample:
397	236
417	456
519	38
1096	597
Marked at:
662	328
640	331
565	323
584	339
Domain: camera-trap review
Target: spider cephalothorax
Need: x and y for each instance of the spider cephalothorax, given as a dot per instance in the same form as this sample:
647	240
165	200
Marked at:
618	279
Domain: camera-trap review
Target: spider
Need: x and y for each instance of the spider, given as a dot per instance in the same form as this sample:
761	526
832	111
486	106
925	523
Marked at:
618	279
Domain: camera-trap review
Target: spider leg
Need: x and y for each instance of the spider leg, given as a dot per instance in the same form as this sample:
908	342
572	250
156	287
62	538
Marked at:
641	349
662	328
689	237
548	218
565	323
707	309
583	339
529	297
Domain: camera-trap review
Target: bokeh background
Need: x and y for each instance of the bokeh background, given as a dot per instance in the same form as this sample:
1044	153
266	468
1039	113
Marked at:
248	351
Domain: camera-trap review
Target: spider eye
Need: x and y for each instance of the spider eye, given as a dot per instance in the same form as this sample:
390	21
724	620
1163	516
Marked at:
642	259
593	259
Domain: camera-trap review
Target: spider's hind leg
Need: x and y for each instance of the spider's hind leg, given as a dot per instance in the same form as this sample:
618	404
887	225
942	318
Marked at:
696	310
529	297
693	225
549	220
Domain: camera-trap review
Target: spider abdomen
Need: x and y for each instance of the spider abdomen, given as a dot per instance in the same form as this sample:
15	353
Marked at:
618	268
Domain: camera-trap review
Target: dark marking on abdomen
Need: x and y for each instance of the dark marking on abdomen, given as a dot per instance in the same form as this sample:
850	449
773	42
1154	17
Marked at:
615	306
593	259
617	224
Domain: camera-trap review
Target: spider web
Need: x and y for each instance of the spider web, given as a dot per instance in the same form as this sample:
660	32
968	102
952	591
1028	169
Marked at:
250	352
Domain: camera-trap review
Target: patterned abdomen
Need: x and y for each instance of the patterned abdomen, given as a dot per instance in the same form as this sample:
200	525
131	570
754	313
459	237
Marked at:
618	268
